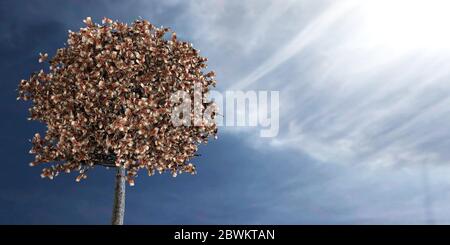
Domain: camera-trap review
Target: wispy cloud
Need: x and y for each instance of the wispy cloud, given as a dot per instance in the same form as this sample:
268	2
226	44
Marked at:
346	101
313	31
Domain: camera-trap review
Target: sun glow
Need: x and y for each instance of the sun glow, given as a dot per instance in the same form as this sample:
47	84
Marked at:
407	25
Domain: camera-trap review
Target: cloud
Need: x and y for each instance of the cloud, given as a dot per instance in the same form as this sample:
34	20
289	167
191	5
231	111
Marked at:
313	31
343	100
386	114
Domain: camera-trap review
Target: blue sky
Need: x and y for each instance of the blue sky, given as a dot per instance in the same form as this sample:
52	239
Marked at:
363	115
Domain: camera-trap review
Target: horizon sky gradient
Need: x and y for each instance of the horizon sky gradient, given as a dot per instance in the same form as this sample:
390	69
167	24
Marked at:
364	112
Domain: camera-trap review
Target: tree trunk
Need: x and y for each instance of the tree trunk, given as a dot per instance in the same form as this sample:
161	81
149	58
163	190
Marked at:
119	197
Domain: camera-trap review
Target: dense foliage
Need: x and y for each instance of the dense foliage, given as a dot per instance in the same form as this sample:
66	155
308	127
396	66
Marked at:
106	101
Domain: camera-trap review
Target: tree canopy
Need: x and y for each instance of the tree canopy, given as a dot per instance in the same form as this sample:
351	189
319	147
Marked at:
105	99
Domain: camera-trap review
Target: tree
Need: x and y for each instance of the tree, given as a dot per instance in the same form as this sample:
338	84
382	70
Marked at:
106	101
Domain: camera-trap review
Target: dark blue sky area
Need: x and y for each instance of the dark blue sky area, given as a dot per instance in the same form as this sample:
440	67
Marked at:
224	191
